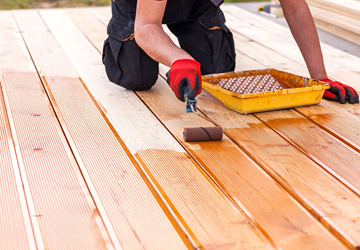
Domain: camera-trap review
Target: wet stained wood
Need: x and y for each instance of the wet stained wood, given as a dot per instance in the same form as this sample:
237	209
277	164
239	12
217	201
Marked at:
330	201
335	156
209	220
126	203
334	120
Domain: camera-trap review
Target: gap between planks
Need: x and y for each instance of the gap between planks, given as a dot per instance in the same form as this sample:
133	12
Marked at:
125	214
136	111
138	93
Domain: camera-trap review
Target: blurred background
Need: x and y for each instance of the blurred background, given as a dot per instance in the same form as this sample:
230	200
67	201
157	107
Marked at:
28	4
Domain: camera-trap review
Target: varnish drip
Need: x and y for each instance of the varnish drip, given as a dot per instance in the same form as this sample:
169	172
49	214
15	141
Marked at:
250	84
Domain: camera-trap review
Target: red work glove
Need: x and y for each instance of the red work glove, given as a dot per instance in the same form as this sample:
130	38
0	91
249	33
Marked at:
185	71
340	92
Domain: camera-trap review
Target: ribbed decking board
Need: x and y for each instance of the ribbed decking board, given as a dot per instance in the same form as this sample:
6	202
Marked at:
59	197
242	179
15	228
133	216
335	156
332	203
334	120
209	219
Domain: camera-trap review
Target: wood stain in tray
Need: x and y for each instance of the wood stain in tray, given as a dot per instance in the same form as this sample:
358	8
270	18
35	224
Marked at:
250	84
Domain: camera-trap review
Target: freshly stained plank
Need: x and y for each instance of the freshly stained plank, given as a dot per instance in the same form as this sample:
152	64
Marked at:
209	219
332	203
336	157
334	120
15	228
56	194
132	213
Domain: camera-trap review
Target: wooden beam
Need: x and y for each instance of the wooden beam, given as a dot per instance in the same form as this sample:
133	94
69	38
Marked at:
131	211
204	212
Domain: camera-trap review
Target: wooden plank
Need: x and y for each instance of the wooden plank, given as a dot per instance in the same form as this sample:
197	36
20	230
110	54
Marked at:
347	8
209	219
329	201
267	57
334	120
14	217
340	21
48	169
129	207
279	38
230	167
341	26
336	157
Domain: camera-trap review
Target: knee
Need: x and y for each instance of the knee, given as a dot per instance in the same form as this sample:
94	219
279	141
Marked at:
126	64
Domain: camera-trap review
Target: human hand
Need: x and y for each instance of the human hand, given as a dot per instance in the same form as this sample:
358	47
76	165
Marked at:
185	72
340	92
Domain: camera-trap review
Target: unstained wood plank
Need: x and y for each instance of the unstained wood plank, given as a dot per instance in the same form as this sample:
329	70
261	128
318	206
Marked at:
208	217
132	213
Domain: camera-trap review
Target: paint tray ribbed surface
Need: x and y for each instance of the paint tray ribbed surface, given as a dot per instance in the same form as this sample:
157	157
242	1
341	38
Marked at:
263	90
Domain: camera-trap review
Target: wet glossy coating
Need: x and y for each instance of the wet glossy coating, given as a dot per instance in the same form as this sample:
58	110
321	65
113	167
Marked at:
250	84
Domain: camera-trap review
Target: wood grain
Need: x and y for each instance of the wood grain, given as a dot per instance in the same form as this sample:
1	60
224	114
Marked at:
55	192
336	157
209	219
131	211
313	187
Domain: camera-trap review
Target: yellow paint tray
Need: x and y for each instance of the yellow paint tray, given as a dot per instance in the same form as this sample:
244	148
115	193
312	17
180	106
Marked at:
263	90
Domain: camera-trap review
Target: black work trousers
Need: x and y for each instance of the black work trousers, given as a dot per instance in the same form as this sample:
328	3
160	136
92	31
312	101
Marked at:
198	25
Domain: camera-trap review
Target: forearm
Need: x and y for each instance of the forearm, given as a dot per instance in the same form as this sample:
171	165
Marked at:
158	45
304	31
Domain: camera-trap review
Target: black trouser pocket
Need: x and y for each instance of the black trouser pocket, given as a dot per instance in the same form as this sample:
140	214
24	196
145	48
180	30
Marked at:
222	43
125	62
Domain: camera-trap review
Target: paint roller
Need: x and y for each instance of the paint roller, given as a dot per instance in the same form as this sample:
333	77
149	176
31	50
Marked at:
199	133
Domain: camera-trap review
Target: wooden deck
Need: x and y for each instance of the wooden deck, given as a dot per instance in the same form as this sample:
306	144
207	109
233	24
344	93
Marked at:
86	164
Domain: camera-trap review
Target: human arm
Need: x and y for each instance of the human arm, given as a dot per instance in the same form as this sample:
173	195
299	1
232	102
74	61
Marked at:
302	26
150	36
